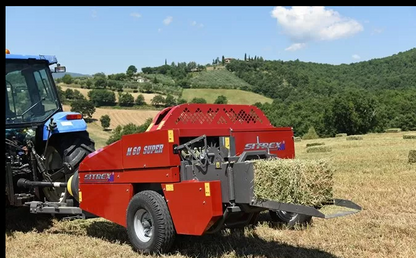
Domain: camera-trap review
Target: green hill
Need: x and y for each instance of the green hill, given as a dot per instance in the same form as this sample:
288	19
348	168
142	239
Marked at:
233	96
356	98
217	79
279	79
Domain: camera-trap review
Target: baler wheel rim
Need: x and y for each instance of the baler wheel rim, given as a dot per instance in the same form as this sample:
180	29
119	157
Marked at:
143	225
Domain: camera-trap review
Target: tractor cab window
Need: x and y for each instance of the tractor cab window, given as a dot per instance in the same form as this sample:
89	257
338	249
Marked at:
30	96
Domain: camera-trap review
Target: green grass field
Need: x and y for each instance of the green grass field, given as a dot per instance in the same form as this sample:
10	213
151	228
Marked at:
373	172
233	96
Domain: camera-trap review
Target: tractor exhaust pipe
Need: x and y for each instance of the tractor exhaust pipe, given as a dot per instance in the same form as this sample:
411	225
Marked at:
27	183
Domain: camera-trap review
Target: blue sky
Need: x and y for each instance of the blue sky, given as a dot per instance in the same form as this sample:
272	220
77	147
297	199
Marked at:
92	39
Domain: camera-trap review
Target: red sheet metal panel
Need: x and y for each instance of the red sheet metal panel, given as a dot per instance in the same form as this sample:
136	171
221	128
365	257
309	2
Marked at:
109	201
194	206
107	158
278	140
210	116
150	175
150	149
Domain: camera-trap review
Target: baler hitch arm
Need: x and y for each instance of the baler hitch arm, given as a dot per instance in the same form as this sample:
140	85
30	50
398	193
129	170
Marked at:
337	208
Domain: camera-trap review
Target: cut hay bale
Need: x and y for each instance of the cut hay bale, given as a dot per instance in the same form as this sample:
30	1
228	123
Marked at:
298	139
393	130
409	136
314	144
315	149
341	135
304	182
412	156
354	138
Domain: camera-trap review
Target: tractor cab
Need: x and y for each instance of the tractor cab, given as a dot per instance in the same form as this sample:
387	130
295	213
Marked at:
44	144
31	96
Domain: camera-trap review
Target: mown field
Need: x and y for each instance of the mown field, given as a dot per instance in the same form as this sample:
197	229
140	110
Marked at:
372	172
233	96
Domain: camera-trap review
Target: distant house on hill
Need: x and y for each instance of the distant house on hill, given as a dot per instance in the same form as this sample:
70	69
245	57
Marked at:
140	79
228	60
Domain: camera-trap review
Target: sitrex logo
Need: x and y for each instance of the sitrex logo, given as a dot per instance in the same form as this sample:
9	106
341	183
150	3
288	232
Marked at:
102	177
265	146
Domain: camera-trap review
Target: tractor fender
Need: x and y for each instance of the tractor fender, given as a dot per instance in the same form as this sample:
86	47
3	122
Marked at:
64	125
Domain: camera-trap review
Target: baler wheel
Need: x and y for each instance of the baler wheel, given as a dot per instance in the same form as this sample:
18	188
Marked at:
149	224
290	219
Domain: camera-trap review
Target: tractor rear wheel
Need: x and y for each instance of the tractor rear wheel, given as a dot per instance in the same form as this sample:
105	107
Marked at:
290	219
149	224
71	148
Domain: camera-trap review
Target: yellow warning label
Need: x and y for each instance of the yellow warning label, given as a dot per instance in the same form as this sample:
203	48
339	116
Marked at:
207	190
170	136
227	142
80	196
217	164
169	188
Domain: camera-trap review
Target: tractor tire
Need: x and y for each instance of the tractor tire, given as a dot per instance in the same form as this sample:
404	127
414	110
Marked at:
290	219
149	224
71	148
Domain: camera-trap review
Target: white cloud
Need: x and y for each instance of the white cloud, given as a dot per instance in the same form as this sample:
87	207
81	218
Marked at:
168	20
356	57
195	24
377	31
136	15
94	14
295	46
309	23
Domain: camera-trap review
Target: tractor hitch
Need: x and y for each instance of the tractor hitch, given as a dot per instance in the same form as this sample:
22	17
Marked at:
28	184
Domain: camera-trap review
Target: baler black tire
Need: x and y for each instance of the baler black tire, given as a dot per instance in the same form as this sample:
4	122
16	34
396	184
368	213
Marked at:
290	220
162	229
71	148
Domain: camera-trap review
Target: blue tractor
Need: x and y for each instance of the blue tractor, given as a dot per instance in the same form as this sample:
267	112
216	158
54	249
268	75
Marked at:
44	144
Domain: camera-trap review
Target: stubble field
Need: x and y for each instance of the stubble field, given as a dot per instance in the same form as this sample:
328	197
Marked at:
372	172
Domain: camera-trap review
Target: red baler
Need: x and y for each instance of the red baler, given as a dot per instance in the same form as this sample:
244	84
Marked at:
188	174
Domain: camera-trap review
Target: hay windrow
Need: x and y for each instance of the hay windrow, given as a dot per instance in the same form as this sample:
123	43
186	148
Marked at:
304	182
314	144
412	156
341	135
393	130
409	136
316	149
354	138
